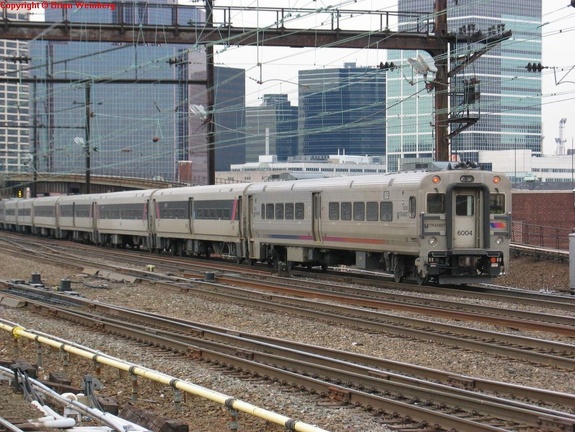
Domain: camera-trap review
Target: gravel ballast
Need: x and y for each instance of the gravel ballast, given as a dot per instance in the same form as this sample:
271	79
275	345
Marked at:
206	416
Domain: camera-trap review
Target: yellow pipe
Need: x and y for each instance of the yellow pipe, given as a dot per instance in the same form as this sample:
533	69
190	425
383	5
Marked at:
220	398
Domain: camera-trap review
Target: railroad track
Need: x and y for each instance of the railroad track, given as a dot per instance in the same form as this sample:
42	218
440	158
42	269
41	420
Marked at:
257	292
75	254
359	308
415	393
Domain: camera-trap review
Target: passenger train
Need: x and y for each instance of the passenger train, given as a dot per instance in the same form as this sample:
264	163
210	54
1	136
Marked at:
451	225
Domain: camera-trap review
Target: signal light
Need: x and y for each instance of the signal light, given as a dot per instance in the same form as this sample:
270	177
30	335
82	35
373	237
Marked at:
20	193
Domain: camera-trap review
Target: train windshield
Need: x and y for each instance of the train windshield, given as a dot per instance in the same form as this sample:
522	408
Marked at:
497	203
435	203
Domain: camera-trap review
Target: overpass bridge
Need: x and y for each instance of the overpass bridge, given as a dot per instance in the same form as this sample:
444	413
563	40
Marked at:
14	185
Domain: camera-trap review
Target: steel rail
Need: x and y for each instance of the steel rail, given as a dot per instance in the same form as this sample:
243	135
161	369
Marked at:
376	382
557	354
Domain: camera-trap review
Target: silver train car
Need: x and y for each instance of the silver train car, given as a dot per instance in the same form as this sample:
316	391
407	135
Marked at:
445	226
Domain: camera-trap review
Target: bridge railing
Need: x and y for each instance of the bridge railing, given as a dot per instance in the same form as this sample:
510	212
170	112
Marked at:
540	235
177	15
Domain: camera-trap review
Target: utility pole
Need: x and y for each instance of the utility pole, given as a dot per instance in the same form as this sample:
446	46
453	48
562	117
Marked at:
441	85
87	143
33	190
210	83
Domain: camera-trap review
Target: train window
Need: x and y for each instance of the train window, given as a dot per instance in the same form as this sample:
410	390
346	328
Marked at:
263	211
497	203
269	211
464	205
358	211
372	211
279	211
299	211
386	211
435	203
333	211
412	207
227	213
288	212
346	211
220	213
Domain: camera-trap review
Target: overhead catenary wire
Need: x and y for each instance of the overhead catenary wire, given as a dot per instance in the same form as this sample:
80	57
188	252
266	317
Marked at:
269	61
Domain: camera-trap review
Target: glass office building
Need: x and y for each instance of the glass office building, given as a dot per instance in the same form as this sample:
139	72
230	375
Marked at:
271	129
496	92
342	111
14	104
125	104
230	117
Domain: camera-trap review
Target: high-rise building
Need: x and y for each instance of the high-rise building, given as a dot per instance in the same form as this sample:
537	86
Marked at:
271	129
230	118
496	94
342	110
125	105
14	104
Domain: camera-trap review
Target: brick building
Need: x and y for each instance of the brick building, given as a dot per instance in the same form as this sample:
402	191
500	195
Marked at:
543	218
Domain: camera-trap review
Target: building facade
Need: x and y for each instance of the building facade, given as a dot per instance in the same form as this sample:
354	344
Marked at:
271	129
14	104
124	105
496	92
342	110
230	117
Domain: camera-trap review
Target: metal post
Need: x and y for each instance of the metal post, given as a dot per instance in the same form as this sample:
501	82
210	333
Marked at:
441	87
515	175
572	263
177	399
134	379
33	190
39	353
87	148
211	97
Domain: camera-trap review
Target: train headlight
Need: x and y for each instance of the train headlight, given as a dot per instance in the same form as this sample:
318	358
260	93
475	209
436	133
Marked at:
496	179
436	179
499	240
432	241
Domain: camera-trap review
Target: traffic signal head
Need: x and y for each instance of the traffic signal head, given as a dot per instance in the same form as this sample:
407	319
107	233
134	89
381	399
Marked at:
20	193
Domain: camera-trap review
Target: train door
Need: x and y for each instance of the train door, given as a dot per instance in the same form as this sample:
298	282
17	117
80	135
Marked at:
191	215
316	216
94	216
467	213
248	229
